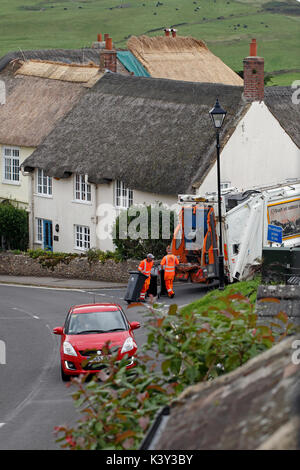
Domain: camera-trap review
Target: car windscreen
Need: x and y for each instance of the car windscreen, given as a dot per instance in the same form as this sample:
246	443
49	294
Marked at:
96	322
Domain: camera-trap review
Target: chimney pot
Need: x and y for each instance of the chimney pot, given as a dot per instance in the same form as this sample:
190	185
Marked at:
167	32
106	35
253	48
253	75
108	43
99	37
173	32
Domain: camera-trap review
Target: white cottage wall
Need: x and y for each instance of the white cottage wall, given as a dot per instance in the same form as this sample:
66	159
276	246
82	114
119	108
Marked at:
63	210
17	191
259	152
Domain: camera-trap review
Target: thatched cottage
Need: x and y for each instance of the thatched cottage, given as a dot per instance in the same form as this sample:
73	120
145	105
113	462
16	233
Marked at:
135	140
37	93
37	88
129	140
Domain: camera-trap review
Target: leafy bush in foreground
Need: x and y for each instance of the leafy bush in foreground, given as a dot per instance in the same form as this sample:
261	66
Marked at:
183	348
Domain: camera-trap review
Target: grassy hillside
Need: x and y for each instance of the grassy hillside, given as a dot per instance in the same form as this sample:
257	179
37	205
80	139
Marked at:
227	26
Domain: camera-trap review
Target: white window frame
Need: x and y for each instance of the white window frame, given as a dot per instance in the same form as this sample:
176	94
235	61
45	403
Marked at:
82	237
123	195
43	184
38	230
82	189
11	165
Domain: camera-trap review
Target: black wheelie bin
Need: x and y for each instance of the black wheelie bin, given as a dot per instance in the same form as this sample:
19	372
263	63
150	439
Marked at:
154	287
134	286
163	289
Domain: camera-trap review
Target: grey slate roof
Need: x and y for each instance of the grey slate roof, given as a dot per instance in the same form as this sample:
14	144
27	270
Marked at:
153	134
282	104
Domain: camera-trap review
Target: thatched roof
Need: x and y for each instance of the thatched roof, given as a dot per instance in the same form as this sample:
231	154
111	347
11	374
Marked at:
33	106
181	58
283	106
84	56
76	73
153	134
67	56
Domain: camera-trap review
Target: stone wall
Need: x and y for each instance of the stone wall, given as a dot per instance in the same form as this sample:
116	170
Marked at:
76	268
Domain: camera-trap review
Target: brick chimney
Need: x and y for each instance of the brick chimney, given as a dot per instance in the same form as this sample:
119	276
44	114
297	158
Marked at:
108	55
253	75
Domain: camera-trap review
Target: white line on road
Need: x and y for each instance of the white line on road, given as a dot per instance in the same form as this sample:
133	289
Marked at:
69	289
25	311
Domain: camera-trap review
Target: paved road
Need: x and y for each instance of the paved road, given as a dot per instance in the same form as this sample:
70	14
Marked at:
33	399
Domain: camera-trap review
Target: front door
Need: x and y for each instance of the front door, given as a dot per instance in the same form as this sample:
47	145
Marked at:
48	242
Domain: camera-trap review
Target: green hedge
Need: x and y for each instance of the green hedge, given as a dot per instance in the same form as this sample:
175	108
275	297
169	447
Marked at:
14	232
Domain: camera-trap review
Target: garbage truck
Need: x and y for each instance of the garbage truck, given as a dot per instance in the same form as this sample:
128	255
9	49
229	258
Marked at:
251	220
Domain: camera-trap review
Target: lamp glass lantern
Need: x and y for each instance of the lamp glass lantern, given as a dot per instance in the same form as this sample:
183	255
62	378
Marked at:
217	114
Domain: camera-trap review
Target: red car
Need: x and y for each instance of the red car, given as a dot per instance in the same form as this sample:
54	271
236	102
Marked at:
87	329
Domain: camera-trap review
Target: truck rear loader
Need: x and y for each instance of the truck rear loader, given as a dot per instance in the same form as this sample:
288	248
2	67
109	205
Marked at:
251	220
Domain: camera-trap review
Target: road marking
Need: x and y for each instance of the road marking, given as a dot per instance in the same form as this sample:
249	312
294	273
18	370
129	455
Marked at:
25	311
69	289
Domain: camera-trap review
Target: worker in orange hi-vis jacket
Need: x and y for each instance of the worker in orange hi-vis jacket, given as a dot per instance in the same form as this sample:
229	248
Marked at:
169	263
145	267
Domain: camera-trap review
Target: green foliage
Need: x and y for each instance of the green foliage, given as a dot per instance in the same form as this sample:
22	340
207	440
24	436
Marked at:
118	411
49	259
216	297
94	255
13	227
141	230
191	347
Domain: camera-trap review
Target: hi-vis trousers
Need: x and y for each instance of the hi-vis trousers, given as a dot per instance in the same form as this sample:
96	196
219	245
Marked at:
145	288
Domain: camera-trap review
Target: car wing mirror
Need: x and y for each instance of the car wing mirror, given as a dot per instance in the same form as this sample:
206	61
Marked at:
58	330
134	325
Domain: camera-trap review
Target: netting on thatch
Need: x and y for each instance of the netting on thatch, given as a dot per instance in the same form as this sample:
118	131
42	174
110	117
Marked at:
181	58
59	71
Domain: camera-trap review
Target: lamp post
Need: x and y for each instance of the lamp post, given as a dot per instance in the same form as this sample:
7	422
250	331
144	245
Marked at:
217	115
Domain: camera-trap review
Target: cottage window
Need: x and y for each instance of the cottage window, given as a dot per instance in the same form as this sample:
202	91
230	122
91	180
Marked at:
123	195
39	230
11	165
82	237
44	183
82	189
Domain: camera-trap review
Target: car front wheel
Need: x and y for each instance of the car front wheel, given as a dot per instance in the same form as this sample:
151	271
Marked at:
65	377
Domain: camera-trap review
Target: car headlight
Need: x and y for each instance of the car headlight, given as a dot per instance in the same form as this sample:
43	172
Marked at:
128	345
68	349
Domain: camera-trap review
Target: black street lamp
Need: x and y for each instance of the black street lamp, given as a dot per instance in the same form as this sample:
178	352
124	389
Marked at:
217	115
